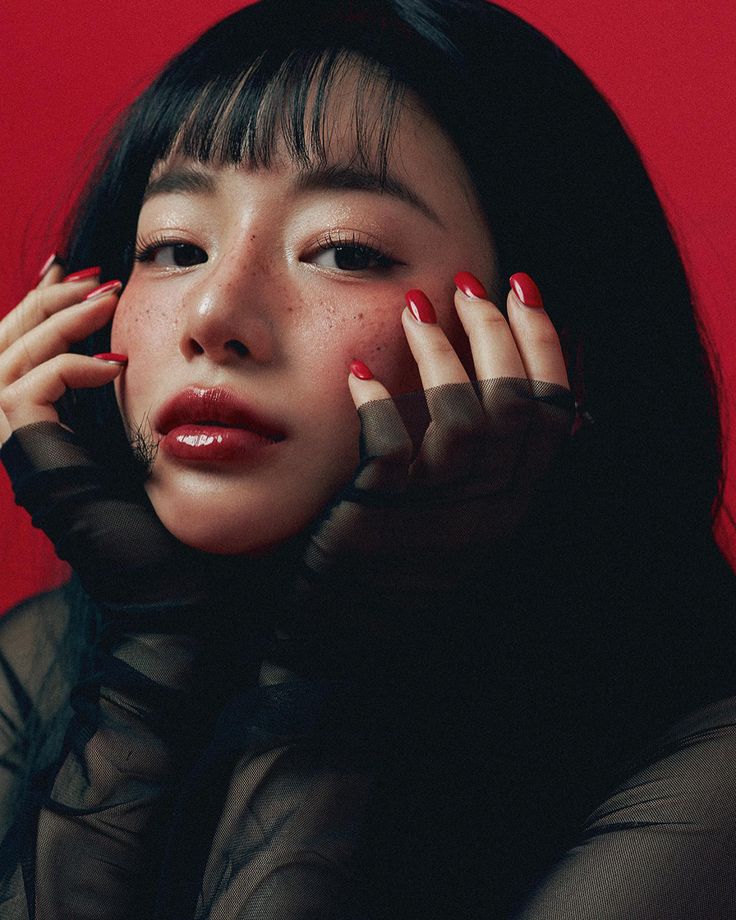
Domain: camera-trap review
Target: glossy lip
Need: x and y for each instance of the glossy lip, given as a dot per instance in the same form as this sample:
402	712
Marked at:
213	408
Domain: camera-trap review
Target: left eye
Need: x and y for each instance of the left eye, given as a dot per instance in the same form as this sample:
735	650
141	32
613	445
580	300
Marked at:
171	255
352	257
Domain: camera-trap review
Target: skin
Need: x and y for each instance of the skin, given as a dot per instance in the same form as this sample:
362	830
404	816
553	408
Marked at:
259	308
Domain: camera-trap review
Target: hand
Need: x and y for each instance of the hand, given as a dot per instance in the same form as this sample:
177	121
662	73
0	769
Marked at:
406	533
115	543
35	337
128	742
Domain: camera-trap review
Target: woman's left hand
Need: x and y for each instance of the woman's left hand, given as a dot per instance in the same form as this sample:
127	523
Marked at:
396	533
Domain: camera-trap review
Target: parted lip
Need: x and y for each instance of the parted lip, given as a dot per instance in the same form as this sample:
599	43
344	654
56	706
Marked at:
214	406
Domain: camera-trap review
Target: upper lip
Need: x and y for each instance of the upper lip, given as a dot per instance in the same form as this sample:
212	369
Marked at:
216	406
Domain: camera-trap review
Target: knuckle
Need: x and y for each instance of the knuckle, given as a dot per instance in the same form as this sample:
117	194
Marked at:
11	396
32	306
441	347
488	319
547	338
464	437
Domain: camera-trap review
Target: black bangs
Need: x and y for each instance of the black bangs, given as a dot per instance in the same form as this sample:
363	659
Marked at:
242	119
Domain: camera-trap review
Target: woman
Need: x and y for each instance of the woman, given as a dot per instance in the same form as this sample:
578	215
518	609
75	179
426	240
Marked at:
428	659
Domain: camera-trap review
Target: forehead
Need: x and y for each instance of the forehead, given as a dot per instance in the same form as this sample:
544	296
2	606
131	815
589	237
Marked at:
344	110
362	133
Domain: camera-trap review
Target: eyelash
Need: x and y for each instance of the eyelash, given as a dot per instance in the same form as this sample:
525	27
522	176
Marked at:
338	240
145	250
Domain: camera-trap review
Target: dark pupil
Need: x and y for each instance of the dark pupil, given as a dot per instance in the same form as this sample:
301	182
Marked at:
186	254
351	258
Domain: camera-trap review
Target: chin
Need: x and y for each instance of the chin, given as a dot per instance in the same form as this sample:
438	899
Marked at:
232	527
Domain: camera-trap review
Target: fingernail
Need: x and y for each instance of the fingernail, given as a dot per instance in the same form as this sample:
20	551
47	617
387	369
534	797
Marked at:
53	258
112	358
526	290
421	309
470	286
85	273
360	370
107	288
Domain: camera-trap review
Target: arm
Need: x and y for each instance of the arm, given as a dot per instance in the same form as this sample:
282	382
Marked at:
35	682
127	742
664	843
92	828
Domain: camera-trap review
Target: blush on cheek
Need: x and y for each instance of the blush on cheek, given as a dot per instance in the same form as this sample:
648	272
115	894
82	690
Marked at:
380	342
123	324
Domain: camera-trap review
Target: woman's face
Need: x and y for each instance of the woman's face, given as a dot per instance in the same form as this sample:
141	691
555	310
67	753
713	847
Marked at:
253	291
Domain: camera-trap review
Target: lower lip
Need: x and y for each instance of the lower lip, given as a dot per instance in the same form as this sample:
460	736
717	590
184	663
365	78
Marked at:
208	443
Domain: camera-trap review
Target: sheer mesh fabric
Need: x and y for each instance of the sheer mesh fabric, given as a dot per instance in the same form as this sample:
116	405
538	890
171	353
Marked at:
195	780
445	476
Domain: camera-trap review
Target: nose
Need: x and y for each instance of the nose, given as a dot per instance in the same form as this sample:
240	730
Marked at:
226	313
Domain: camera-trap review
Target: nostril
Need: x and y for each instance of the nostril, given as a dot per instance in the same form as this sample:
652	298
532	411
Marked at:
237	347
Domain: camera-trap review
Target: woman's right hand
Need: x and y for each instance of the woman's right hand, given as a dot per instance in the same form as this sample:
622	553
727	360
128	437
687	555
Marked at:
36	367
110	536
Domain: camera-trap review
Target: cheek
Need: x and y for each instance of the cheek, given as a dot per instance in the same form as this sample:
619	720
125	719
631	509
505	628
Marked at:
331	335
138	323
142	331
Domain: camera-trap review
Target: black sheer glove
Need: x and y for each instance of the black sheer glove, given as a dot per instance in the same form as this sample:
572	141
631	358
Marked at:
106	530
446	475
127	744
122	823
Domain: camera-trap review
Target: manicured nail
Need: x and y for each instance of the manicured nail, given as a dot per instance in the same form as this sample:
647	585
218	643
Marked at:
108	287
526	290
470	286
112	358
360	370
421	309
83	275
53	258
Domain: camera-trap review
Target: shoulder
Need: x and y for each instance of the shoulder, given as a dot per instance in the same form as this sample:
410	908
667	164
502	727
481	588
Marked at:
48	611
32	673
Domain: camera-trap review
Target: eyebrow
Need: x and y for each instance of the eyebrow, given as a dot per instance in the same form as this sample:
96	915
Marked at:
180	179
189	180
362	180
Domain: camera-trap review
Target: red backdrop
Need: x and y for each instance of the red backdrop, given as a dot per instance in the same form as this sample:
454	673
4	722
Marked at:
667	66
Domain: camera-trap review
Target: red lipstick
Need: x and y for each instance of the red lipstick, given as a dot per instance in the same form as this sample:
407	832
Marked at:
212	424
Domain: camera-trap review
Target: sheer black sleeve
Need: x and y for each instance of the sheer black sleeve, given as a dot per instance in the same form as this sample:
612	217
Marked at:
88	838
35	684
121	823
664	843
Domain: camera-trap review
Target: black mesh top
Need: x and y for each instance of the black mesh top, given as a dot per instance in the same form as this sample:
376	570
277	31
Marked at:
375	759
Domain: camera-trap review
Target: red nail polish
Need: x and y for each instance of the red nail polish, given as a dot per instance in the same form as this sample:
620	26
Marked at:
107	288
526	290
421	309
360	370
470	286
112	357
83	275
47	266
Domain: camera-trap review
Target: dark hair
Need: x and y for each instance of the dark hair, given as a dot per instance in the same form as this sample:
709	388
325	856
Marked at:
641	606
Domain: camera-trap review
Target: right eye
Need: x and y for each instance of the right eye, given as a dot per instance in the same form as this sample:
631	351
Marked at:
169	253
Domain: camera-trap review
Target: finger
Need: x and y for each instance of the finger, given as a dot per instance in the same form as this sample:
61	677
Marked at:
56	335
536	337
52	271
386	446
492	342
31	399
436	359
363	387
5	429
39	304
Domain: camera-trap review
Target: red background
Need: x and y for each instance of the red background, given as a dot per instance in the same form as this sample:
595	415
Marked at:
667	66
